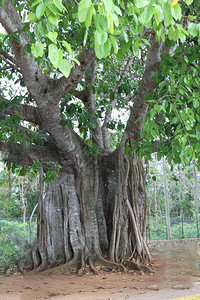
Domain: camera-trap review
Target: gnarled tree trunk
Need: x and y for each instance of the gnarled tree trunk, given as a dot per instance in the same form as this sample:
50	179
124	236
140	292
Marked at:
83	217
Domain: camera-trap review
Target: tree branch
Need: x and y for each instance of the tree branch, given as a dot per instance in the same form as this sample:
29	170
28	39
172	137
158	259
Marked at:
27	156
8	58
89	101
25	112
64	85
105	131
46	92
140	107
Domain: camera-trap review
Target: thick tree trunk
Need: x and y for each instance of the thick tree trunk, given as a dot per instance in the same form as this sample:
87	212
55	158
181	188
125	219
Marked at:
83	217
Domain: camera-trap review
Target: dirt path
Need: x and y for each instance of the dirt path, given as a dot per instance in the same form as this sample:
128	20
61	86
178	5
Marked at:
176	265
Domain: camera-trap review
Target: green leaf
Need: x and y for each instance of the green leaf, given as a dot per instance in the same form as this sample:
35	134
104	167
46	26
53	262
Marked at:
101	38
125	36
146	15
102	23
136	48
84	4
37	50
156	12
98	50
140	29
59	5
65	67
182	37
176	12
76	61
54	20
188	151
193	29
146	42
171	33
52	8
104	38
109	5
32	17
198	131
85	37
55	55
88	18
82	15
114	42
107	47
141	3
175	120
52	36
68	47
118	11
188	2
195	103
167	14
154	178
120	56
40	10
111	27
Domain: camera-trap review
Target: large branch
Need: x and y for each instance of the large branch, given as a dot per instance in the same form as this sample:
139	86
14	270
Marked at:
37	83
34	79
89	101
46	92
25	112
27	133
64	85
27	156
140	107
113	103
9	60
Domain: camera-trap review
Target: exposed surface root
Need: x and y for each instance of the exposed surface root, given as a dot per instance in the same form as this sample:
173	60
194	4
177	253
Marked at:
138	267
81	264
92	267
65	267
109	264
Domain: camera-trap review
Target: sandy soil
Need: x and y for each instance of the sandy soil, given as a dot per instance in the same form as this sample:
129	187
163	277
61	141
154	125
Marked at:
176	265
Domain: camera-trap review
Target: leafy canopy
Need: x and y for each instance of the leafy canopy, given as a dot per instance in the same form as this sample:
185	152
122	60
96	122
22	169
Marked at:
59	29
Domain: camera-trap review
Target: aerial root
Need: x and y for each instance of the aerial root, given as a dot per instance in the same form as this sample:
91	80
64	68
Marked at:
81	268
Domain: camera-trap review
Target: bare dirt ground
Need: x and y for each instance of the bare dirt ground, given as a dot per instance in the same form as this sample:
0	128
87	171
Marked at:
177	273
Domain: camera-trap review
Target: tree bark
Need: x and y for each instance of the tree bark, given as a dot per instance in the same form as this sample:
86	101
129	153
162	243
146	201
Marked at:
83	217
